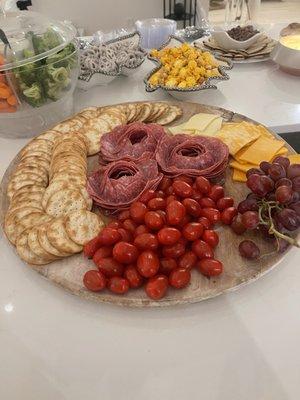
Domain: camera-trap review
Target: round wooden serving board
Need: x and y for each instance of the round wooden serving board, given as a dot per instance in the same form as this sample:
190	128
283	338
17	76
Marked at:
68	272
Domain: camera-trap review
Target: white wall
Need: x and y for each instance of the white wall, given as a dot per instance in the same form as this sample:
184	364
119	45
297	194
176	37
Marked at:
96	15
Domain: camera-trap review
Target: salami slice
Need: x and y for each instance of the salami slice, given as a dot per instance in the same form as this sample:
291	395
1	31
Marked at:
135	141
192	156
115	186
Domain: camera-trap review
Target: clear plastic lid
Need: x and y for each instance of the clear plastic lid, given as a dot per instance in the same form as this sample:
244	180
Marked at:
31	37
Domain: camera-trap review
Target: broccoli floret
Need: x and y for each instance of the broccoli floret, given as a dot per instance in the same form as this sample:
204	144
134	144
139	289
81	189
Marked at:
51	39
34	95
53	90
59	75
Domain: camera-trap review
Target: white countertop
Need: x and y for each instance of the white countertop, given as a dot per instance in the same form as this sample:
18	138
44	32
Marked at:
239	346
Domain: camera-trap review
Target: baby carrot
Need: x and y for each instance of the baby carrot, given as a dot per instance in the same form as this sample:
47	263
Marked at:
12	101
1	59
5	93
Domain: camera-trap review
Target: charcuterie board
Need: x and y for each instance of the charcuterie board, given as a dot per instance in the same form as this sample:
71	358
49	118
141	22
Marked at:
68	272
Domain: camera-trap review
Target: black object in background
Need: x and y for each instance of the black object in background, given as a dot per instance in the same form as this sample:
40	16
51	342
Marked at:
23	4
181	11
293	139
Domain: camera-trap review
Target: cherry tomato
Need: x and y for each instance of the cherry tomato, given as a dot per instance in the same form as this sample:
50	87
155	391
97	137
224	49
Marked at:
137	211
146	241
147	195
179	278
163	215
126	236
157	204
192	207
110	267
202	249
207	202
154	220
109	236
187	260
210	267
216	192
228	214
94	280
90	248
167	265
196	195
175	250
175	212
125	253
192	231
212	214
170	198
129	225
224	202
168	235
133	276
124	215
165	183
182	189
186	219
141	229
210	237
102	252
184	178
156	287
203	185
114	225
169	191
160	194
147	264
205	222
118	285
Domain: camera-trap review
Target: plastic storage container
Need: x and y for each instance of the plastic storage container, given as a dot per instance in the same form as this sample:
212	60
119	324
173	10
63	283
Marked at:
39	67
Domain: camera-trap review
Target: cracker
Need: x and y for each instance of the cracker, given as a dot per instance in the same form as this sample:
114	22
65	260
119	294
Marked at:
89	112
158	110
46	245
28	190
82	226
26	254
50	135
14	186
65	201
70	125
59	238
33	160
36	248
131	112
169	116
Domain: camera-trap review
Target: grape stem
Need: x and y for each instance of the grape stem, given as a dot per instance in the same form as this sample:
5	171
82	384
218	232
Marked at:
273	230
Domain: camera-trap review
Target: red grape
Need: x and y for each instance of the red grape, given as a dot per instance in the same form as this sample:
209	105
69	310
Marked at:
293	171
237	226
296	183
228	214
247	205
252	171
255	184
277	171
283	194
295	207
248	249
283	182
289	219
250	219
284	161
264	166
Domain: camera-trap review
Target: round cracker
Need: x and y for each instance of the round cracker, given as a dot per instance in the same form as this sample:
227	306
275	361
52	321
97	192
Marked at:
36	248
35	168
37	153
24	169
13	186
46	245
12	224
26	254
35	160
89	112
50	135
169	116
59	238
70	125
82	226
27	190
65	201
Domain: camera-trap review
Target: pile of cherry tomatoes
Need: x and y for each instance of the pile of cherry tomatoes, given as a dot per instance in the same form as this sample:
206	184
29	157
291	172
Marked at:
161	238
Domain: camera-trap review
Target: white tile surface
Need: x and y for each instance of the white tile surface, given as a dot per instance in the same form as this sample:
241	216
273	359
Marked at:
241	346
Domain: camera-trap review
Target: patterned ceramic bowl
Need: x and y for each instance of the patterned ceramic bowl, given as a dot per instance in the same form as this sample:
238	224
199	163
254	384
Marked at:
185	93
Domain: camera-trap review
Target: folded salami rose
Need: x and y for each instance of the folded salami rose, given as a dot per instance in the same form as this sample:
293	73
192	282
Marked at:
135	141
193	156
115	186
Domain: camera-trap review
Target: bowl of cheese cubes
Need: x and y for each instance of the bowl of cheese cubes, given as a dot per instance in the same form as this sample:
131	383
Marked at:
182	69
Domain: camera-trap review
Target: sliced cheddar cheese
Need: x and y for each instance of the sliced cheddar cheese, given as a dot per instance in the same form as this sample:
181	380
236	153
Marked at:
242	167
200	121
239	176
263	149
294	158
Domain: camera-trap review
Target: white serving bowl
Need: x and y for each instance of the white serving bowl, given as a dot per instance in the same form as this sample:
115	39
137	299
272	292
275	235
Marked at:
228	43
287	58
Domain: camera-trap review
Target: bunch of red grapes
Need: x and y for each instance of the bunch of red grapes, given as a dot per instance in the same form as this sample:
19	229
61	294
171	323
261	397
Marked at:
273	206
158	241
